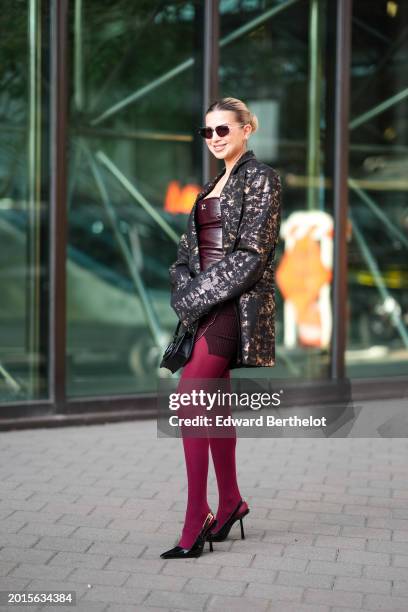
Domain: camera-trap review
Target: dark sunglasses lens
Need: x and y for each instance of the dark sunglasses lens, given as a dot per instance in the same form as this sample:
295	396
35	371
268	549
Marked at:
205	132
222	130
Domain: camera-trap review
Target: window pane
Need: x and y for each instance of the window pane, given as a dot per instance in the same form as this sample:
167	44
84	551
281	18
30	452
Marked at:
134	171
272	56
378	249
24	201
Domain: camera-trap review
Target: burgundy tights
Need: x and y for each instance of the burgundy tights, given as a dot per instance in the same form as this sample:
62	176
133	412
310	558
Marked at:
202	364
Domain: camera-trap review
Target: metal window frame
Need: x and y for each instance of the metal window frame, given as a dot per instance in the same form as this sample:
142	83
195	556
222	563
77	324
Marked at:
342	69
58	191
210	75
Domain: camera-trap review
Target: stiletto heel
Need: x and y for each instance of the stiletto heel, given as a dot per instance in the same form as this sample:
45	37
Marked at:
242	530
178	552
223	532
211	545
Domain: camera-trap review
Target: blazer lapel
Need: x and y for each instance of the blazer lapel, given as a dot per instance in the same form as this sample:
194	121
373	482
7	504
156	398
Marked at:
192	228
231	202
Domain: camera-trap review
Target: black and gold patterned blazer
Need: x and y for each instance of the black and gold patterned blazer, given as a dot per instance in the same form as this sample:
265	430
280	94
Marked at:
250	212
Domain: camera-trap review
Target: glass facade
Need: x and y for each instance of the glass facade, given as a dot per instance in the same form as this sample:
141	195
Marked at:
24	202
136	91
134	168
378	247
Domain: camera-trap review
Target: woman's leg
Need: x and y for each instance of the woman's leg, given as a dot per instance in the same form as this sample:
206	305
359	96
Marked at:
223	455
196	450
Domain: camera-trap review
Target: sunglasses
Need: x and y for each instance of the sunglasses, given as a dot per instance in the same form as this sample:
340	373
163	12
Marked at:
221	130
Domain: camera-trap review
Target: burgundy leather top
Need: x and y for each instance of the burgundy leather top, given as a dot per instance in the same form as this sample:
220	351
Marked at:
219	325
209	229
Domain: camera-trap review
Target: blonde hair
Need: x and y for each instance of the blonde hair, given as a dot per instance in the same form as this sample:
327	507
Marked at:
242	112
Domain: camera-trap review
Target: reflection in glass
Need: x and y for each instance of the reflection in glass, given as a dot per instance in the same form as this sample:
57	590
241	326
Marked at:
271	56
378	249
134	172
23	203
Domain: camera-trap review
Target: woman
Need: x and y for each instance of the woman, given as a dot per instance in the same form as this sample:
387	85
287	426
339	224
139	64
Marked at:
222	283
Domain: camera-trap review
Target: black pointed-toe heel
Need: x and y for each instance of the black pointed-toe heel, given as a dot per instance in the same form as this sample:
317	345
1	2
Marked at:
178	552
222	533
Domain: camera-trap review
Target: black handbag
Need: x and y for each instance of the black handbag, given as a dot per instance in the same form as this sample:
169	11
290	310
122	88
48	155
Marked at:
179	350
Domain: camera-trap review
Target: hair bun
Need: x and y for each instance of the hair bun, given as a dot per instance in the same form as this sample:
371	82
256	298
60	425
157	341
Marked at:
254	122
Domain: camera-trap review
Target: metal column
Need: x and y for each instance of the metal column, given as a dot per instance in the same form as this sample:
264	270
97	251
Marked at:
58	195
340	185
211	62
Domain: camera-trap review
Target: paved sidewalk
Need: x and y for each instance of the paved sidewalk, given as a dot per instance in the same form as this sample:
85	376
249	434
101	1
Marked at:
91	508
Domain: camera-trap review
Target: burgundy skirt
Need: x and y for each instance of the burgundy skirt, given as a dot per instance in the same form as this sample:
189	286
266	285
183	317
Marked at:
221	330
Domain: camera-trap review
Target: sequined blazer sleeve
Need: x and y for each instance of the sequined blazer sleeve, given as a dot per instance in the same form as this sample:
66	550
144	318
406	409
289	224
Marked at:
179	271
256	238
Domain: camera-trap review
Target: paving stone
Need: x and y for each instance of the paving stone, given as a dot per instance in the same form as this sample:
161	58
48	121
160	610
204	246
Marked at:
156	582
384	602
385	573
344	498
74	559
221	603
6	567
120	549
247	574
95	577
388	523
279	563
387	502
388	547
184	567
340	542
10	583
319	553
183	601
341	519
144	526
114	594
88	606
334	569
27	555
333	598
367	510
254	546
400	560
133	608
274	592
132	564
29	570
100	535
366	532
66	544
48	584
47	529
319	581
400	588
214	586
17	540
293	515
315	528
319	506
362	585
63	508
227	558
79	520
298	607
363	557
